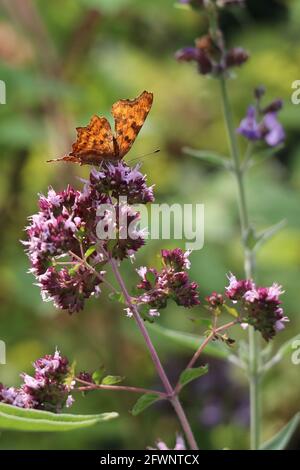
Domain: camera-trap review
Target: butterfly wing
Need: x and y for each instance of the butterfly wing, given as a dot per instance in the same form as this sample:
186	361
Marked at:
129	116
94	143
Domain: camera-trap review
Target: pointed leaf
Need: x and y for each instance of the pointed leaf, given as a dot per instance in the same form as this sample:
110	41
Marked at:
286	349
269	233
282	438
89	251
188	375
144	402
98	375
231	310
74	269
208	156
112	380
20	419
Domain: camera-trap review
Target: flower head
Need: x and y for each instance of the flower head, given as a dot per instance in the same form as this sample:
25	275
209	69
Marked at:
215	300
66	228
122	180
211	56
249	127
68	291
237	289
172	282
261	124
46	390
258	306
272	130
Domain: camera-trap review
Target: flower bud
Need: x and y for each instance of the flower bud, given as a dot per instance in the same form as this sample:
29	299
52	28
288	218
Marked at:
259	92
236	56
273	107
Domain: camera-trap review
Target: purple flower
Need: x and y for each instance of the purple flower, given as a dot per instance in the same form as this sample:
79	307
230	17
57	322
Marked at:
258	306
215	300
249	127
237	289
125	236
268	128
66	227
46	390
69	291
179	445
176	259
172	282
122	180
272	130
211	55
236	57
195	54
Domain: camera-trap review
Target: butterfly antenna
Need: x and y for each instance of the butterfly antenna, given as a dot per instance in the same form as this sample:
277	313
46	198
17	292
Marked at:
144	156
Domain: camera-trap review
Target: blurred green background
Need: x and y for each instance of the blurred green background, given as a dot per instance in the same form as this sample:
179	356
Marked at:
63	62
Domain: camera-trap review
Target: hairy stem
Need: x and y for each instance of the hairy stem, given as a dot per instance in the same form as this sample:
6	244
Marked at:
174	400
254	352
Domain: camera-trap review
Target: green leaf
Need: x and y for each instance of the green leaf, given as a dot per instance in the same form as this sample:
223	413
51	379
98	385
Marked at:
287	347
116	297
144	402
112	380
150	277
188	375
282	438
285	350
98	375
20	419
269	233
190	341
89	251
208	156
231	310
74	269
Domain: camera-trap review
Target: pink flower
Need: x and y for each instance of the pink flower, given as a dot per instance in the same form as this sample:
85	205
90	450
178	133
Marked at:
179	445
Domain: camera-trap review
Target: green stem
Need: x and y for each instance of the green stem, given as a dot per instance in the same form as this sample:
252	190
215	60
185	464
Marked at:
249	259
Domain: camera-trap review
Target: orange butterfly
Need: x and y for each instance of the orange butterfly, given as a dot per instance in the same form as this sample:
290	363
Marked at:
97	142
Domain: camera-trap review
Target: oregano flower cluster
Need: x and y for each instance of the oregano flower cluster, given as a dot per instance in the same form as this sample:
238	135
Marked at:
65	230
48	389
257	306
171	282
